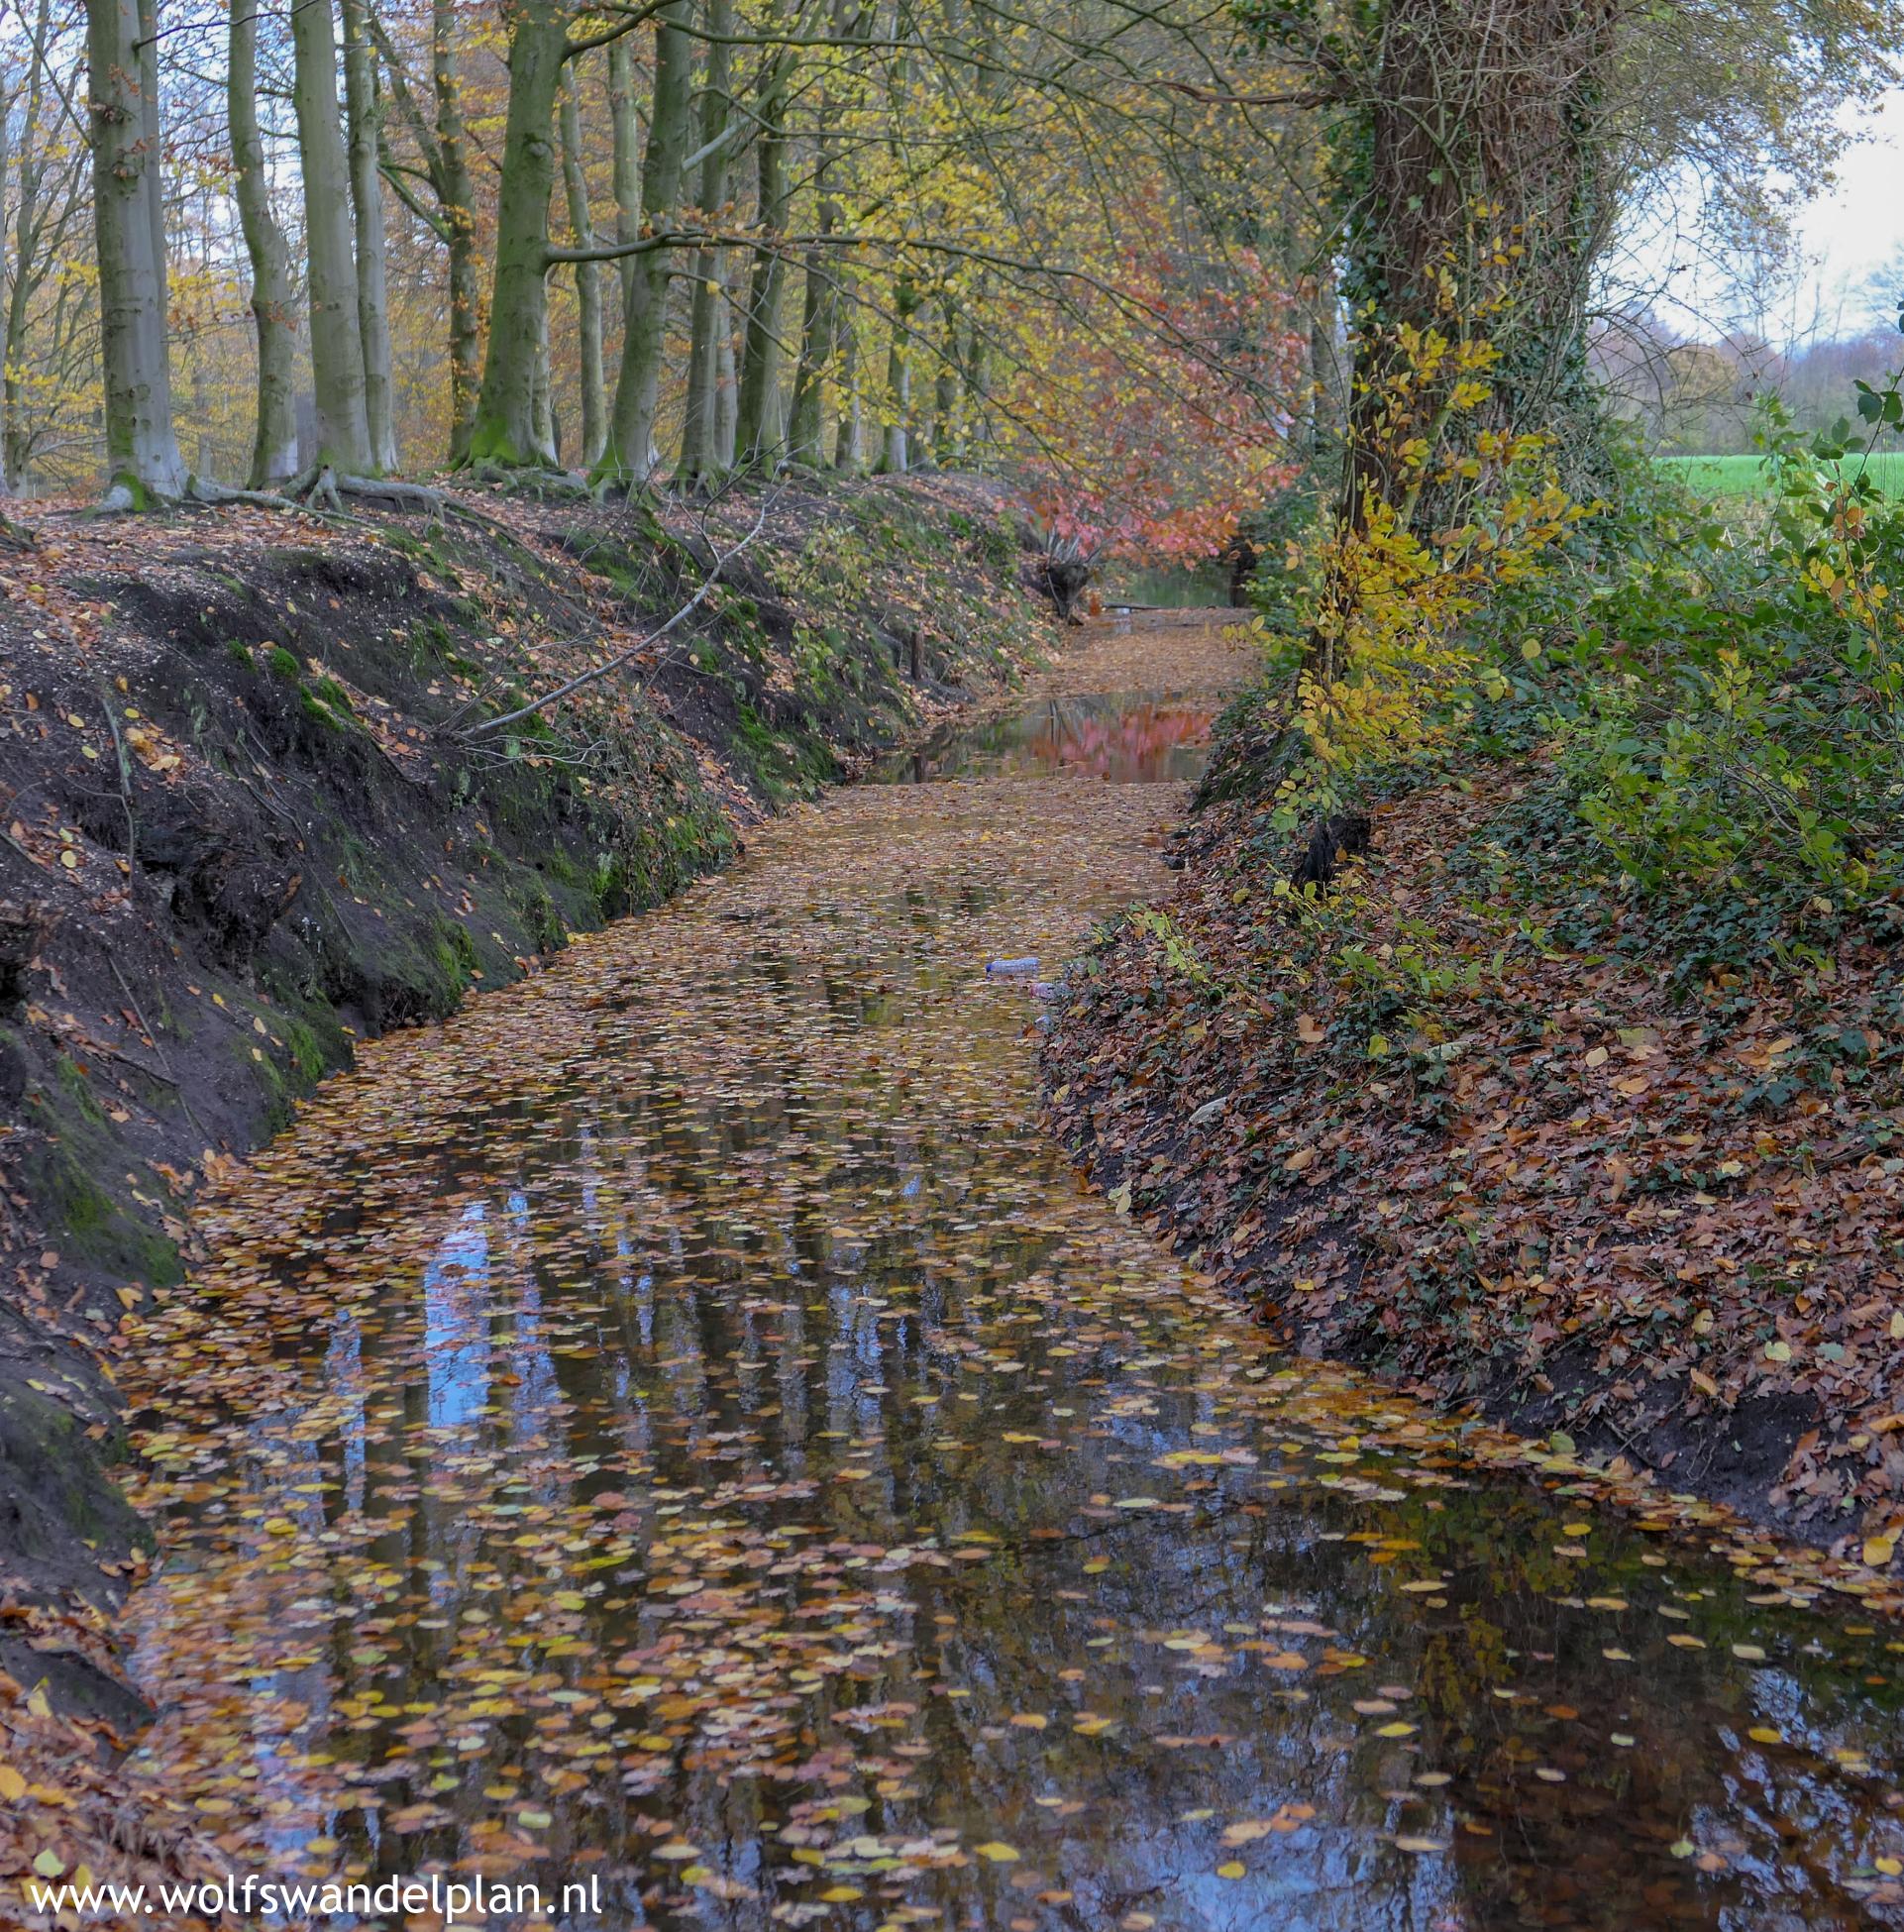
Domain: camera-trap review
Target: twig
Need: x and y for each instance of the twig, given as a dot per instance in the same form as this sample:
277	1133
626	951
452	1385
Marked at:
125	786
145	1027
599	670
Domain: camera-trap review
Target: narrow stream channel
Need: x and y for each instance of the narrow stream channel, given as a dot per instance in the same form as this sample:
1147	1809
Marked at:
681	1430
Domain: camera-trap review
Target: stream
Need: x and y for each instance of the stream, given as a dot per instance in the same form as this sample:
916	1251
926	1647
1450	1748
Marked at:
681	1432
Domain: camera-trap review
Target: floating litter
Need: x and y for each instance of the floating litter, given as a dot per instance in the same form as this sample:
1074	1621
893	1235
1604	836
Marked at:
1001	969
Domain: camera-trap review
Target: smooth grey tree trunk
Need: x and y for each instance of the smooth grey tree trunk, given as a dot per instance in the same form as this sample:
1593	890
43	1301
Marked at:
630	456
366	207
897	412
626	136
274	443
948	432
456	196
757	425
8	395
726	383
846	437
595	428
701	462
337	345
142	454
508	429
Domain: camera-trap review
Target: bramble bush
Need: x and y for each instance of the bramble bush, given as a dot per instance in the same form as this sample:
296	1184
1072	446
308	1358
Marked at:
1722	703
1375	625
1730	710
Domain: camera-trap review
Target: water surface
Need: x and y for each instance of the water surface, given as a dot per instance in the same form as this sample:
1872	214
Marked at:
683	1424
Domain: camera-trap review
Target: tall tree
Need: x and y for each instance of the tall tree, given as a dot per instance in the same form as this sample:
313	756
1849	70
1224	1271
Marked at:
700	451
274	443
821	321
442	145
625	137
337	344
49	207
364	111
595	428
121	70
757	429
631	456
507	428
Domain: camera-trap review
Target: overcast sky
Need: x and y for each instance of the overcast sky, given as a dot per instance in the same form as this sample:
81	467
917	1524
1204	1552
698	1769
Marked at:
1856	229
1848	237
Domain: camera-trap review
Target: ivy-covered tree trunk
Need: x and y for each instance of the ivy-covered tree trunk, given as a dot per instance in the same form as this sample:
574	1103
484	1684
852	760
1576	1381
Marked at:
1483	198
337	344
366	206
275	444
142	454
594	427
630	456
700	460
509	428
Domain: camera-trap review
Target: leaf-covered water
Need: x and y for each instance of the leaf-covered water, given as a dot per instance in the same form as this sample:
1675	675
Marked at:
681	1427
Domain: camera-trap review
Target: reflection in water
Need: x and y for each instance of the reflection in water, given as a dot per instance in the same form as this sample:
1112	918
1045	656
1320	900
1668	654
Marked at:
681	1426
1129	740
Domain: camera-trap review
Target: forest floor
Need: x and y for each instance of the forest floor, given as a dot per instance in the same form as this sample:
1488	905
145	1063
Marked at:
1480	1123
256	806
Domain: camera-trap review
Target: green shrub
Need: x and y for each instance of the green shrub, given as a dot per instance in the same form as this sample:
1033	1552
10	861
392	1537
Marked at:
1728	716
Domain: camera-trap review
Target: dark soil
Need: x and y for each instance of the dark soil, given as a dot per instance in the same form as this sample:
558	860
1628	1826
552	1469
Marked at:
248	815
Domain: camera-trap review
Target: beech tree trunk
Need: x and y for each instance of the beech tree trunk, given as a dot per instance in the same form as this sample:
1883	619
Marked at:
595	428
456	197
337	344
894	450
366	207
846	437
948	440
275	444
508	429
757	425
700	460
142	454
627	154
630	456
727	384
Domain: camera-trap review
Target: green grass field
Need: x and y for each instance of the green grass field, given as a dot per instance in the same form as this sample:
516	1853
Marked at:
1744	476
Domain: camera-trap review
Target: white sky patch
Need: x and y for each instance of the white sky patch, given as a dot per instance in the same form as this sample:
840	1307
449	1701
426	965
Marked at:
1850	238
1854	230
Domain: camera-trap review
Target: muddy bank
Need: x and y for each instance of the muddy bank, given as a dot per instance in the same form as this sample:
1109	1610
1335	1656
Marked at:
261	798
1481	1123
